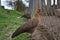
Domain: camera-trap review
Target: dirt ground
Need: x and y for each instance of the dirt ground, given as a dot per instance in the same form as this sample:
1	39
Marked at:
49	29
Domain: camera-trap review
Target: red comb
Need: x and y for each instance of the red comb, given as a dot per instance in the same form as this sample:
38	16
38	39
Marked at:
38	10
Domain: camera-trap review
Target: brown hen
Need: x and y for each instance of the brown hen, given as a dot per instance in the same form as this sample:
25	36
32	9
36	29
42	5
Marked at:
29	26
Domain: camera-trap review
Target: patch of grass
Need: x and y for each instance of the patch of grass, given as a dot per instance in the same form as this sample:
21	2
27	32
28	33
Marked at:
10	20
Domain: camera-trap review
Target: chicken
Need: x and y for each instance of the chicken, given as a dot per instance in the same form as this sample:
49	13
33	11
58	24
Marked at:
29	26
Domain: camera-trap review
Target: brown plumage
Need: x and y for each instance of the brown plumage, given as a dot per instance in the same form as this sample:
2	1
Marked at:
29	26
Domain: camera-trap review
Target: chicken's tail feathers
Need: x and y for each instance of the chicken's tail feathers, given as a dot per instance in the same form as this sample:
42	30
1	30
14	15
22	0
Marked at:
16	33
